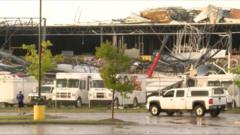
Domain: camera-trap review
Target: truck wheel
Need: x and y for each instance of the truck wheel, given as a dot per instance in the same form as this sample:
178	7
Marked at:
170	113
78	103
214	113
155	110
199	111
135	102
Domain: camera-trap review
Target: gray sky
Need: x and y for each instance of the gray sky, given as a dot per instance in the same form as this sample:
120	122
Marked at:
74	11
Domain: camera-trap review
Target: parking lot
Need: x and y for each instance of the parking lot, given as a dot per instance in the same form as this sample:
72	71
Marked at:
226	123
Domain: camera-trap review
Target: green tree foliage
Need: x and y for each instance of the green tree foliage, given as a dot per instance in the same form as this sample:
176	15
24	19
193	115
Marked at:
236	70
114	63
33	59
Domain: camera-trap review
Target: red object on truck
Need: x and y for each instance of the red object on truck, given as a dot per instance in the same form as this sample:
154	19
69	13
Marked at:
154	65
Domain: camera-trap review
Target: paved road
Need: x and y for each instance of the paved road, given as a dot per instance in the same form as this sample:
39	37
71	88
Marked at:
186	124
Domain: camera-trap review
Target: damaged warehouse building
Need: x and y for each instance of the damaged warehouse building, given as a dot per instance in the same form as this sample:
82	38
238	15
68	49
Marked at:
145	31
181	36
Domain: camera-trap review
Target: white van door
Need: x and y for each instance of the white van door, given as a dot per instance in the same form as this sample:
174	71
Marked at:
84	91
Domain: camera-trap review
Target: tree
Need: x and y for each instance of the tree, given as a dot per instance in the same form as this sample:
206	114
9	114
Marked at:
33	59
114	63
236	70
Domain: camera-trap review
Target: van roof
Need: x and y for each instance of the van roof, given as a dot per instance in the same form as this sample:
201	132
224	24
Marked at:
51	85
198	88
63	75
46	85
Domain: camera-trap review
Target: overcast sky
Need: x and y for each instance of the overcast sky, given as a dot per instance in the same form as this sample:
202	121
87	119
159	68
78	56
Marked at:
74	11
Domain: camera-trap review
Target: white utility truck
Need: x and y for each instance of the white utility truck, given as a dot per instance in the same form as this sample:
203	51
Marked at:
71	88
11	84
197	100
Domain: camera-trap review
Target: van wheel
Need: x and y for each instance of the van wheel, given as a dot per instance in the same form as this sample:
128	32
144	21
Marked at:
234	104
135	102
179	113
155	110
49	102
57	104
116	102
3	105
214	113
199	111
170	113
78	103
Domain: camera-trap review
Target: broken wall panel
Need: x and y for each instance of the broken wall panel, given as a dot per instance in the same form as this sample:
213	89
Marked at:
212	13
234	13
161	16
178	14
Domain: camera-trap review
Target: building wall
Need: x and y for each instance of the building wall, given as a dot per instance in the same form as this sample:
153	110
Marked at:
84	40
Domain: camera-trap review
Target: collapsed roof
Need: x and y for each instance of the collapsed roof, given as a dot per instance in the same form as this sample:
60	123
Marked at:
209	14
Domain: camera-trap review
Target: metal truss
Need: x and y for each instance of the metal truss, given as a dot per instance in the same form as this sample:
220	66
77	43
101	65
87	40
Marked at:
22	29
13	26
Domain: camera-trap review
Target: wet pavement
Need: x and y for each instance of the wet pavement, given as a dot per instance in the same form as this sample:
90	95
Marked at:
224	124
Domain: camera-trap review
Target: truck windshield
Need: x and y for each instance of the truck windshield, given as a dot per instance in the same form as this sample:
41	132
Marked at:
73	83
61	83
97	84
45	89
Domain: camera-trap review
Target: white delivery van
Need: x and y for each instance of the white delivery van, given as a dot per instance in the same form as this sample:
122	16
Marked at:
97	91
100	93
137	96
46	93
72	88
11	84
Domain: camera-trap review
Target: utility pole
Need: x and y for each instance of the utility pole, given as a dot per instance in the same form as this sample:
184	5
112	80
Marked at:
229	51
39	108
39	50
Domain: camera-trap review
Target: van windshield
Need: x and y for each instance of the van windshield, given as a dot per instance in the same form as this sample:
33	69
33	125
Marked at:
61	83
73	83
45	89
97	84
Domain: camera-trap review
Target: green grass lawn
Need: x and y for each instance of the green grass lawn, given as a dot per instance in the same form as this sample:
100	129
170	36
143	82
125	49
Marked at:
28	119
235	110
94	109
85	109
